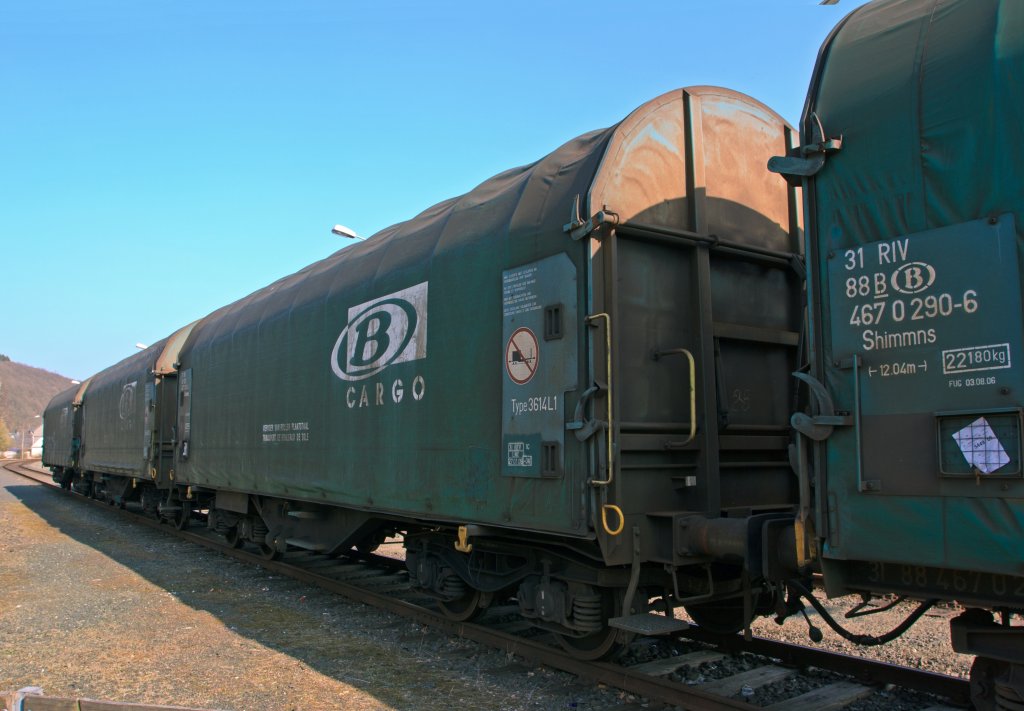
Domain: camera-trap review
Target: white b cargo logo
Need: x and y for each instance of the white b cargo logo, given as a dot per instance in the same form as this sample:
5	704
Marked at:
126	406
387	330
913	277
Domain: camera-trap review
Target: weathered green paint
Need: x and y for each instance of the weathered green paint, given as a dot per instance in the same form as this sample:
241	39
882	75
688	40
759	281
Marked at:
380	378
915	225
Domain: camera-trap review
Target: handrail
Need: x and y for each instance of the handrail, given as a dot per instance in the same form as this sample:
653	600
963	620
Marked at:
693	387
611	429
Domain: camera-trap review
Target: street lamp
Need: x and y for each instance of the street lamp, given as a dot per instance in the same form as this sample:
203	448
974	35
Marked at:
346	232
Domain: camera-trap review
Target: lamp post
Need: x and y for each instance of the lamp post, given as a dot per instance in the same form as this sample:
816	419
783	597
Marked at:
346	232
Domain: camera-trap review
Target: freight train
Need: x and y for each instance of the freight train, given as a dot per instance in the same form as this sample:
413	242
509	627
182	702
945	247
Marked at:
570	386
611	384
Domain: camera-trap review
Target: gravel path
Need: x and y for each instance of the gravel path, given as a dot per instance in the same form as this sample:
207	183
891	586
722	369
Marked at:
94	606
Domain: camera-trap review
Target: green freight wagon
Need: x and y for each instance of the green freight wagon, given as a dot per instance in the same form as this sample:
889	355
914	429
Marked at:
113	437
571	382
912	158
114	410
62	433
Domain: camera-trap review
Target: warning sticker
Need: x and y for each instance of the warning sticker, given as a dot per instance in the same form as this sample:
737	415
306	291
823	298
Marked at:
521	356
981	447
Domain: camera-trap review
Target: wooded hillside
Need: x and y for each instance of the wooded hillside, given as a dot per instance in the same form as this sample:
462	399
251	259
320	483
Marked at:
24	393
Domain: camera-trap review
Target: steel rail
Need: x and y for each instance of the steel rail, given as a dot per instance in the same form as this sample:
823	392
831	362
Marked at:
869	671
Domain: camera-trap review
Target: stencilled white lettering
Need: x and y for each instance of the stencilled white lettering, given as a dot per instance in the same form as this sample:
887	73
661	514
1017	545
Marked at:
897	368
890	307
517	294
519	454
975	358
381	394
932	308
285	432
543	403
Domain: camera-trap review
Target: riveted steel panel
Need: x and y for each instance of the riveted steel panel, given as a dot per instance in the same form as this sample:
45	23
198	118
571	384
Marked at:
926	315
540	362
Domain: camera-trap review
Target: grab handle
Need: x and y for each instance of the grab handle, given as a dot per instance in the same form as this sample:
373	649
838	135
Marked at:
658	355
608	364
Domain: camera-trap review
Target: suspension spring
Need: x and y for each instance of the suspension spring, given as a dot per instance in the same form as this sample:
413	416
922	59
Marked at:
587	612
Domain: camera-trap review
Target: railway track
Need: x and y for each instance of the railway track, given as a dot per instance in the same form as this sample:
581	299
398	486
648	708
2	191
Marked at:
691	677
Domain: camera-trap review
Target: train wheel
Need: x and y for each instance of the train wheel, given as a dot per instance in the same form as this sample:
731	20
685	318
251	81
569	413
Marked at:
234	537
594	646
467	607
993	687
606	642
150	503
269	552
182	518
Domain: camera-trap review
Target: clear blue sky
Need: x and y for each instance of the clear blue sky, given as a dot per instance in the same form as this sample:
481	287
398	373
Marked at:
163	158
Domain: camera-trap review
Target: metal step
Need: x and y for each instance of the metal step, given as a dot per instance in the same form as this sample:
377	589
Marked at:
648	624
